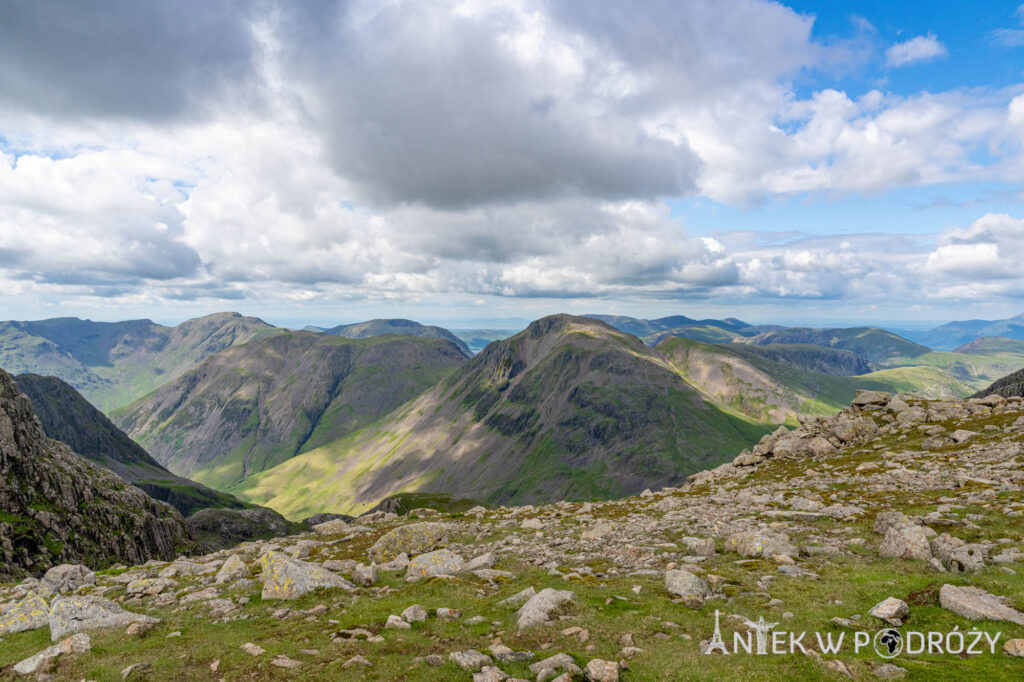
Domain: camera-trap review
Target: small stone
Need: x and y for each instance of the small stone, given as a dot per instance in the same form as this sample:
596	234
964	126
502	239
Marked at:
356	660
134	668
684	584
537	609
396	623
253	649
414	614
442	562
598	670
1014	647
282	661
364	575
892	610
46	659
470	660
888	671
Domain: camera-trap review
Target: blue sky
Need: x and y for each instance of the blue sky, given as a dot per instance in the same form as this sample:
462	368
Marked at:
463	161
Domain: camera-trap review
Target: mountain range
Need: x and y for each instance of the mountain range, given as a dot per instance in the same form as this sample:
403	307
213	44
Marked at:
954	334
370	328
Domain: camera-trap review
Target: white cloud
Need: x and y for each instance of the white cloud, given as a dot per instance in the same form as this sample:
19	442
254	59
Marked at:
918	49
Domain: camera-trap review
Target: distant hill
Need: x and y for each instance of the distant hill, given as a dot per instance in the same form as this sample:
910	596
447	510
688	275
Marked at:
992	344
774	388
709	330
1008	387
114	363
253	406
569	408
873	344
68	417
955	334
57	507
364	330
477	339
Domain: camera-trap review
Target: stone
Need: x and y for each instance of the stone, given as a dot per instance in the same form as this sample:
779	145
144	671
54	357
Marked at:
490	673
506	655
149	586
482	562
78	613
684	584
1014	647
138	629
287	578
908	541
888	671
253	649
282	661
962	435
134	668
886	520
599	531
46	660
547	667
537	609
470	660
976	604
892	610
756	543
68	578
333	527
445	613
414	614
864	398
598	670
442	562
356	660
519	597
415	538
233	569
364	575
396	623
28	614
699	546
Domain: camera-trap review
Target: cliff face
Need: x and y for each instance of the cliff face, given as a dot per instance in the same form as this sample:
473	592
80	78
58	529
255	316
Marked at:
56	507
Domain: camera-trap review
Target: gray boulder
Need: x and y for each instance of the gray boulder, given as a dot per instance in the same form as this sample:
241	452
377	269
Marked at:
907	541
977	604
79	613
68	578
538	607
287	578
442	562
415	538
684	584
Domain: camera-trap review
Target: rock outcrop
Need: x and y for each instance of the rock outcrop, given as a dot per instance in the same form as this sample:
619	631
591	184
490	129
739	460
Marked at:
56	507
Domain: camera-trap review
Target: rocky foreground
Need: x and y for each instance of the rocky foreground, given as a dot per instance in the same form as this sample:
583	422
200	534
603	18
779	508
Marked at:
897	512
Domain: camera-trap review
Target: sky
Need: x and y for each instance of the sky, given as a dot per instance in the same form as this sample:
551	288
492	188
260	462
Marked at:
472	162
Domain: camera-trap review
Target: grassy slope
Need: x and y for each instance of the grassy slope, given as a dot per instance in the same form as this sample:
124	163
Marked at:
976	370
772	392
561	429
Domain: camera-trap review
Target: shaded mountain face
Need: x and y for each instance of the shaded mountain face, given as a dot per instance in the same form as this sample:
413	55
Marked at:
569	408
874	344
363	330
992	344
1008	387
251	407
114	363
56	507
832	361
68	417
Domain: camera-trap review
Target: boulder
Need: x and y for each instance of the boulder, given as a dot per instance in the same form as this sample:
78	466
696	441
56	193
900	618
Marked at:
470	660
976	604
79	613
43	662
892	610
599	531
68	578
907	541
538	607
864	398
684	584
598	670
415	538
437	563
28	614
287	578
759	543
886	520
233	569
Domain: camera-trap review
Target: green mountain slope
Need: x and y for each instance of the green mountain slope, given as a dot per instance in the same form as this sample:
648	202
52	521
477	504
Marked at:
987	345
114	363
251	407
569	408
874	344
68	417
740	378
976	370
364	330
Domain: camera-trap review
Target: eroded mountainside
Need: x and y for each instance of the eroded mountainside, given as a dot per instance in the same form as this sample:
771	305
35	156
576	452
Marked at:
568	408
56	507
253	406
68	417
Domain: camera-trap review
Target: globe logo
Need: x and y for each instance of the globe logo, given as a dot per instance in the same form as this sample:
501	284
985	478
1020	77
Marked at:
888	643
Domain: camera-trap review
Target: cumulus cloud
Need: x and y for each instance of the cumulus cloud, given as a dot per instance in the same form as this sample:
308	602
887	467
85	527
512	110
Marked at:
918	49
255	149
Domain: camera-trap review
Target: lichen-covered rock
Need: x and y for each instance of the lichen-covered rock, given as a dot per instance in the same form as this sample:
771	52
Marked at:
149	586
437	563
287	578
415	538
78	613
27	614
233	569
